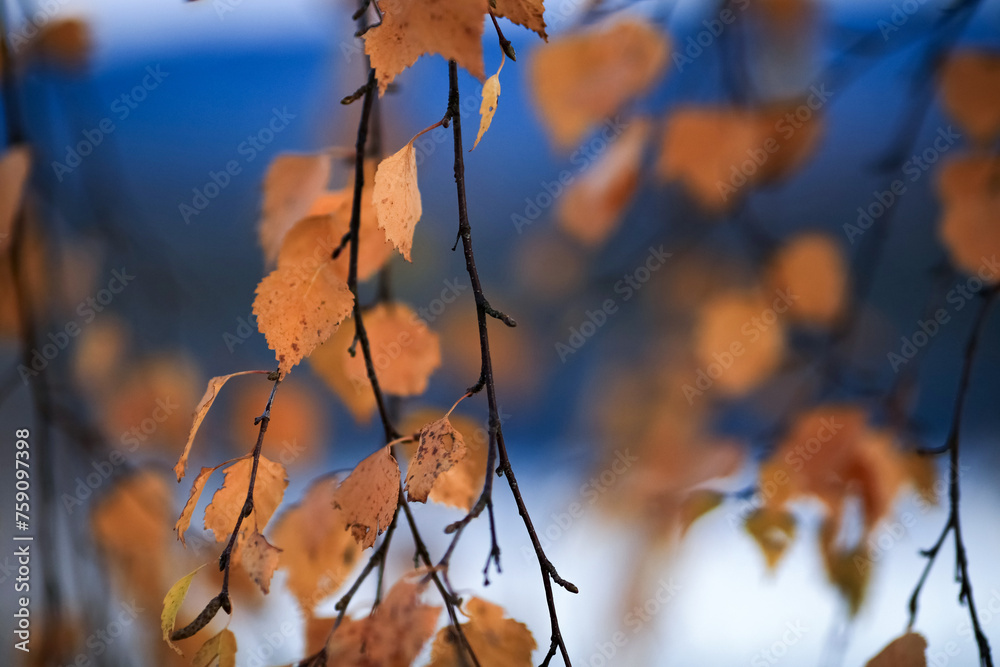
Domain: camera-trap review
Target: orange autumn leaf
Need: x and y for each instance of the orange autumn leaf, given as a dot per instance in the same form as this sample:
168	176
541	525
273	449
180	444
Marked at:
302	302
292	184
440	448
593	206
527	13
811	266
496	641
579	80
369	496
392	636
204	405
228	501
330	362
969	187
720	153
460	485
739	340
908	650
197	486
396	197
404	350
15	166
317	549
412	28
970	91
131	525
259	558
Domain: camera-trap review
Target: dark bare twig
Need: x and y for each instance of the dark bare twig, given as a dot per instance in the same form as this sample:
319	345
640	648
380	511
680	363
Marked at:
954	522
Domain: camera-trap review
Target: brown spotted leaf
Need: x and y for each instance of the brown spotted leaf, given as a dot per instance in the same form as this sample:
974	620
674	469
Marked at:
396	197
440	448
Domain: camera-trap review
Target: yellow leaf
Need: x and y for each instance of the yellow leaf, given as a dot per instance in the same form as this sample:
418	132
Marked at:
214	385
317	549
219	651
260	558
773	530
172	604
228	501
593	206
369	496
301	303
906	651
579	80
496	641
491	98
440	448
411	28
396	197
970	90
292	184
698	504
527	13
15	165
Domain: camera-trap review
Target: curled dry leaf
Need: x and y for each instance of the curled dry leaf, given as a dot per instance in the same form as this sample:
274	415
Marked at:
491	98
412	28
970	91
593	206
906	651
369	496
317	550
219	651
259	558
292	184
739	333
391	637
969	187
527	13
460	485
396	197
197	486
302	302
579	80
496	641
228	501
204	405
15	165
813	268
440	448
